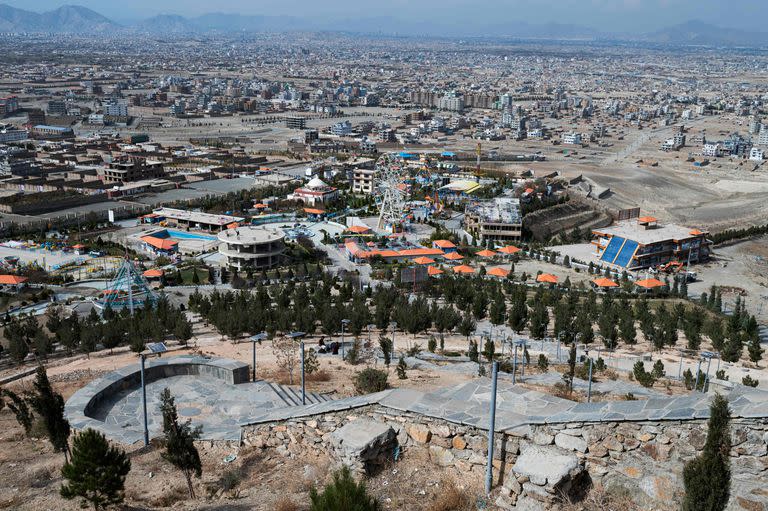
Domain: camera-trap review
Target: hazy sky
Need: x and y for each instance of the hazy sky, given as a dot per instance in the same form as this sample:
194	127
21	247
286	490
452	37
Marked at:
607	15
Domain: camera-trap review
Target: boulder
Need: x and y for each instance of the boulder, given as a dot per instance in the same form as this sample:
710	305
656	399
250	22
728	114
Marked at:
363	445
419	433
546	465
570	443
440	455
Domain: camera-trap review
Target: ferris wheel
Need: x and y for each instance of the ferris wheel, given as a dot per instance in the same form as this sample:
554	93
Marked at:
389	190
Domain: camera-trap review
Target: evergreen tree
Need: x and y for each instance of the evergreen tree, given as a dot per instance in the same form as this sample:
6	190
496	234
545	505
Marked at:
311	363
386	348
401	367
658	369
179	441
96	474
571	372
755	350
473	353
707	478
343	494
642	376
539	320
49	406
489	350
20	409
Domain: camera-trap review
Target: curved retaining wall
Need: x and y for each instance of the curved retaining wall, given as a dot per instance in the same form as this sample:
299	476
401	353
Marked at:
80	408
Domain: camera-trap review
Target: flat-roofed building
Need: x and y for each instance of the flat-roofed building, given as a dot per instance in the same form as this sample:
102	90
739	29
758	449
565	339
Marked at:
363	180
643	243
132	170
193	219
498	219
258	248
52	132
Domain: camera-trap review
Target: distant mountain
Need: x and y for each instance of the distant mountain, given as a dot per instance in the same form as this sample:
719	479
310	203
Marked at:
65	19
166	24
699	33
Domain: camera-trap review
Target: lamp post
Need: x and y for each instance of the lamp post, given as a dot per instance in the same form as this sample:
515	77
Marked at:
698	372
344	323
257	339
491	428
156	348
394	325
589	387
294	336
708	355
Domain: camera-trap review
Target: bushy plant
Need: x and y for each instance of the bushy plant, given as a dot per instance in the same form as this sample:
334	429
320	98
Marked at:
343	494
370	380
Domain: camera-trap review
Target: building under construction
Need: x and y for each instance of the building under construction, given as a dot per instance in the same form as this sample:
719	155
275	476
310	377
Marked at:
643	243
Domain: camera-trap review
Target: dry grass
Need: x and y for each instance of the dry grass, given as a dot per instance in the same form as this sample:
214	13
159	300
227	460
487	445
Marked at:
450	498
170	496
600	498
286	504
319	376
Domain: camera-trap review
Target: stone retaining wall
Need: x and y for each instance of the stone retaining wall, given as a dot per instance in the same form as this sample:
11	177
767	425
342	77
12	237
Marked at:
535	465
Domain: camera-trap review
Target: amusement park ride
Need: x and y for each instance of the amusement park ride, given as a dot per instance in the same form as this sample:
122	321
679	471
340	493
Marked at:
389	191
129	289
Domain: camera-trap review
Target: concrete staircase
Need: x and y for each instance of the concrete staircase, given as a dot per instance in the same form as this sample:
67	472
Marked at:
292	395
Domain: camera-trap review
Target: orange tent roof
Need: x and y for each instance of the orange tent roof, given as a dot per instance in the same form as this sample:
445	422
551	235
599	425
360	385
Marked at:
260	206
650	283
423	260
498	272
509	249
233	225
547	278
647	219
12	280
161	243
313	211
444	244
370	244
431	270
358	229
453	256
486	253
463	269
604	282
415	252
154	273
79	245
696	232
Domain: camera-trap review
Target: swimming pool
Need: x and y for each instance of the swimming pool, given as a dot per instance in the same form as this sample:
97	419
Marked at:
182	235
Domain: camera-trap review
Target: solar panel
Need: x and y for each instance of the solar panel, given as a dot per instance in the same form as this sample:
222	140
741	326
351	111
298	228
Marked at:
157	347
612	250
626	253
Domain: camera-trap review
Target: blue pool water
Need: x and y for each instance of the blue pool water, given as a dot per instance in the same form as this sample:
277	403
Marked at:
181	235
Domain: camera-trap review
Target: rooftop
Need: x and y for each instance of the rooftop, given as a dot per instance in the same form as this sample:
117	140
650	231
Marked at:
505	210
198	217
630	229
250	235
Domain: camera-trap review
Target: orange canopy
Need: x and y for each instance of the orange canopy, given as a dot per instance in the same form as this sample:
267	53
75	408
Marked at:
78	246
160	243
444	244
154	273
486	253
423	260
546	278
12	280
647	219
260	206
432	270
358	229
604	282
313	211
498	272
233	225
453	256
509	249
696	232
463	269
650	283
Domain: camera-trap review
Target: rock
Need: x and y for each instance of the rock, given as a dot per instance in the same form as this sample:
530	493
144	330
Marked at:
632	472
512	484
545	465
663	439
597	451
697	438
750	505
631	444
596	469
363	444
570	443
612	444
645	437
440	430
538	493
505	503
543	438
440	455
458	442
420	434
528	504
659	488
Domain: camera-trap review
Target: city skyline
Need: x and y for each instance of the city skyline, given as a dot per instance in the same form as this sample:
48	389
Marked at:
626	16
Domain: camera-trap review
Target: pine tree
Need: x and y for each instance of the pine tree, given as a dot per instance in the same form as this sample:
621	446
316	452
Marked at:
386	348
343	494
489	350
96	474
571	372
179	441
401	367
473	352
20	409
49	406
755	350
311	364
707	478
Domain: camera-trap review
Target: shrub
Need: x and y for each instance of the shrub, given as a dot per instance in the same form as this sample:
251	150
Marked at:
432	344
720	375
642	376
401	367
343	494
414	350
543	363
749	381
230	479
658	369
370	380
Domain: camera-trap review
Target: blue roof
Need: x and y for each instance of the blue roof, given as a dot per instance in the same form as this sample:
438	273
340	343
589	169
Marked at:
448	154
405	155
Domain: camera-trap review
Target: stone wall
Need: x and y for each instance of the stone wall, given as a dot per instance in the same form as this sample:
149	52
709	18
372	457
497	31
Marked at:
536	465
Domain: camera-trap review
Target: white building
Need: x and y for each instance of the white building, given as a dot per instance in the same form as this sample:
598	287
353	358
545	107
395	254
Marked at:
12	135
258	248
711	150
451	101
572	138
314	193
762	138
342	129
756	154
116	109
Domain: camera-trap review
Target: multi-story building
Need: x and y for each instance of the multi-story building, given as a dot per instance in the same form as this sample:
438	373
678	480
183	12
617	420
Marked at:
251	247
572	138
452	101
363	180
762	138
296	122
9	105
342	129
642	243
57	107
12	135
52	132
315	192
116	109
497	220
132	170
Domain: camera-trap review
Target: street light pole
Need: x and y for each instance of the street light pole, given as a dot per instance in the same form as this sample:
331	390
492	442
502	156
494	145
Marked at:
303	387
589	388
144	401
491	428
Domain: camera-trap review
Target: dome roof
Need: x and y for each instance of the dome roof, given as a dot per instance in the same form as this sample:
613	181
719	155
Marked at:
316	182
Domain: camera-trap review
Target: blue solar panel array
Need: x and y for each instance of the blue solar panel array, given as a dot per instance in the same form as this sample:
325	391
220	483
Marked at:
626	253
612	250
